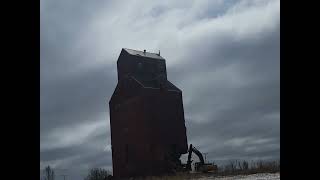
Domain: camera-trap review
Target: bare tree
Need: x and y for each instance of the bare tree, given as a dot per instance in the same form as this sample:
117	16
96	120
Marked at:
49	173
231	166
245	165
98	174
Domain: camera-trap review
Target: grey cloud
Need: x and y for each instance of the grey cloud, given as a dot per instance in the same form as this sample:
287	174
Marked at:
224	55
76	99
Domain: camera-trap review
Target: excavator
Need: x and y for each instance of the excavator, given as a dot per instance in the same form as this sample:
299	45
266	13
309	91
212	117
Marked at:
199	166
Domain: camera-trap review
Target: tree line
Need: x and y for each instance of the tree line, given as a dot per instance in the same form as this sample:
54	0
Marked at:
244	167
233	167
94	174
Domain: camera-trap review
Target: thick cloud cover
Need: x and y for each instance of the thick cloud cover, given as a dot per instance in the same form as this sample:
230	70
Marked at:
223	55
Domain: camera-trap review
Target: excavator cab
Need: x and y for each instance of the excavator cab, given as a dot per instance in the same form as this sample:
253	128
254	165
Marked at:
205	168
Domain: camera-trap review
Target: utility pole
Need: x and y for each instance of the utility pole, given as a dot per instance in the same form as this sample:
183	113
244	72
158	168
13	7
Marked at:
64	176
205	157
63	173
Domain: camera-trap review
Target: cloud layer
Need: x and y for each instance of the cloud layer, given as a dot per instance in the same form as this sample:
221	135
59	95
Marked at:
223	55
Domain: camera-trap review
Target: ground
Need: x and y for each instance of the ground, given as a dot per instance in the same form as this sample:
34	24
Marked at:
260	176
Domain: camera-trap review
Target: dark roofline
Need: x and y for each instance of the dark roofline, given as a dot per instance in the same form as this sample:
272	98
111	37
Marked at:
143	54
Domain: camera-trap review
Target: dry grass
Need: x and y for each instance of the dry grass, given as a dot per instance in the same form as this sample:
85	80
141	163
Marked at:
243	167
181	176
232	168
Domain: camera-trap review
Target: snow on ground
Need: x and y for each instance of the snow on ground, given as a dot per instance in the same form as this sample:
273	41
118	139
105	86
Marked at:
260	176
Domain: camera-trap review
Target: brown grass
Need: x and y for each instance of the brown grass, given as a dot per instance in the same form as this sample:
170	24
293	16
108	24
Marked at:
234	167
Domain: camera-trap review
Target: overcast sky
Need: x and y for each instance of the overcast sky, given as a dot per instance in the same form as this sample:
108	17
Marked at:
223	55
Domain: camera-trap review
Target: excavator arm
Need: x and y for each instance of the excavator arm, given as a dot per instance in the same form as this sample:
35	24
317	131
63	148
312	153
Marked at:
188	166
197	152
199	166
